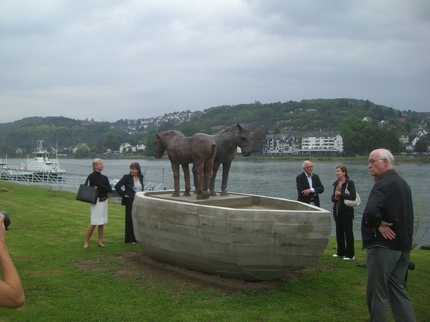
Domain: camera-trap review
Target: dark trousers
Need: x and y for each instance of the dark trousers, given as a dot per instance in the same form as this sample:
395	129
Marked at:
386	270
129	230
344	233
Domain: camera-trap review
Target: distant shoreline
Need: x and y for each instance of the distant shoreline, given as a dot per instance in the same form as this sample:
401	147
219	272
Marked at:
399	158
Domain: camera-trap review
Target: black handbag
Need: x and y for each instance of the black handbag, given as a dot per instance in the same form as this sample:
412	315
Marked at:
87	193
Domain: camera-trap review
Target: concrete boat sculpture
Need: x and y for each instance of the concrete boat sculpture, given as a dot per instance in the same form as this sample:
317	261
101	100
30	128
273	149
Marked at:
241	236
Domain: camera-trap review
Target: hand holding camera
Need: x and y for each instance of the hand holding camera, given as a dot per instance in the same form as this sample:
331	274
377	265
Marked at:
6	219
12	293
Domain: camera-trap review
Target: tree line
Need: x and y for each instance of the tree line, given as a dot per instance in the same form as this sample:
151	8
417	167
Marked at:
297	118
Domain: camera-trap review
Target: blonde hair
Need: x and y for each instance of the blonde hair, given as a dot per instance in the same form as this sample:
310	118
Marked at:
95	161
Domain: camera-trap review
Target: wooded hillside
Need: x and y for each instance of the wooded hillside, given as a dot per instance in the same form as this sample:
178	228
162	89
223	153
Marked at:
292	117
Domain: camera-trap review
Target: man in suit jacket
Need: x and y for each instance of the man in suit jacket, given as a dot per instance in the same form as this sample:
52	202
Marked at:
309	185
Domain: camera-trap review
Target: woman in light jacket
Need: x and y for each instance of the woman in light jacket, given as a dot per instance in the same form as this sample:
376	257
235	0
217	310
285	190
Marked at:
127	188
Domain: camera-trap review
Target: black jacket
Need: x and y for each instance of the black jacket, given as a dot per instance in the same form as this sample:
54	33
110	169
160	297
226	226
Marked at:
125	187
342	208
302	184
390	200
102	183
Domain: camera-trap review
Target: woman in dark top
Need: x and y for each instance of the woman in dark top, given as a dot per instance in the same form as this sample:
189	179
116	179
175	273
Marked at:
343	215
99	211
127	188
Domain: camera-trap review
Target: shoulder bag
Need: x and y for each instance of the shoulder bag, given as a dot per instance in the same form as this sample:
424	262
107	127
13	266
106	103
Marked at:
87	193
352	203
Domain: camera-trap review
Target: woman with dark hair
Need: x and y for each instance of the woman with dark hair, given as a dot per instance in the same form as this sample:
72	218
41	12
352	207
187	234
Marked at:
343	188
127	188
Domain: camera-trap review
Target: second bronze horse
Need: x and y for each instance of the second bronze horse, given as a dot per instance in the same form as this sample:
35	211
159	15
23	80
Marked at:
199	149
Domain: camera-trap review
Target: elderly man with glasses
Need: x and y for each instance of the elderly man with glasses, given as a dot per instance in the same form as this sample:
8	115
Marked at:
309	185
386	230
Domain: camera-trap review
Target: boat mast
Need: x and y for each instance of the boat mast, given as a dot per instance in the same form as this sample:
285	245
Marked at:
39	146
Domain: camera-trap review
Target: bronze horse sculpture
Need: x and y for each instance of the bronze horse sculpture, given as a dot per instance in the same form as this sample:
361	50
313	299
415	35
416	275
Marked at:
227	141
199	149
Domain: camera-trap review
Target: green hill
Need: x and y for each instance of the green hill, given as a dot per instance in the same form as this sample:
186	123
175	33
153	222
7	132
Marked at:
293	117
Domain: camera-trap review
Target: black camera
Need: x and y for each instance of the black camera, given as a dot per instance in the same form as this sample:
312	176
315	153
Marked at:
6	219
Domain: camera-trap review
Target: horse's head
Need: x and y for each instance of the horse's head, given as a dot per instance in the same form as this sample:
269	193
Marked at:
244	140
160	147
164	139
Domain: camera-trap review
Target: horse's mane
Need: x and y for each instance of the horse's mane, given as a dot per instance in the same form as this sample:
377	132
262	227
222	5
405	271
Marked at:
174	133
230	128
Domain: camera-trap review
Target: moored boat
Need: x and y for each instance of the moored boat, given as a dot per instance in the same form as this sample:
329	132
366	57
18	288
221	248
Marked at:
42	163
38	168
241	236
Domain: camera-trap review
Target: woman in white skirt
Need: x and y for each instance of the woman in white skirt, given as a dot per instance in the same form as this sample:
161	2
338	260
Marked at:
99	211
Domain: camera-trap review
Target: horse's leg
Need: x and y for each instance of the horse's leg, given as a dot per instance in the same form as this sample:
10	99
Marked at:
225	171
175	170
208	175
199	171
208	170
193	169
186	170
212	184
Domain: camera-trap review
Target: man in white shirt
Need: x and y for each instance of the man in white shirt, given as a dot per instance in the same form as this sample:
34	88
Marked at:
309	185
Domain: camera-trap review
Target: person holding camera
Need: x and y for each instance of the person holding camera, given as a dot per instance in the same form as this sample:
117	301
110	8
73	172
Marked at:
11	291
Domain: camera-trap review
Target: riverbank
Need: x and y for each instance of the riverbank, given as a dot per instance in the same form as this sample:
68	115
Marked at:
268	178
400	158
64	282
362	158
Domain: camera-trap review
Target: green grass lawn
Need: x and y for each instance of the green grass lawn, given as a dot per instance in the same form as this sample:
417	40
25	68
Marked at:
46	239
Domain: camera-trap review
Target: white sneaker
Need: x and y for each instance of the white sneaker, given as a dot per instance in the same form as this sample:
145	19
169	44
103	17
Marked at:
348	259
335	255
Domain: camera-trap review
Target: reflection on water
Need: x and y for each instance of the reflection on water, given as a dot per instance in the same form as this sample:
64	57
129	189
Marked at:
269	178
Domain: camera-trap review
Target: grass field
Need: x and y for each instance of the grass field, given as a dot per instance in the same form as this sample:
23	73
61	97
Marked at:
64	282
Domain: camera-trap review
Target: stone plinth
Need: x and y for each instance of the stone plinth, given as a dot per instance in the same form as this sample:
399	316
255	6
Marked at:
240	236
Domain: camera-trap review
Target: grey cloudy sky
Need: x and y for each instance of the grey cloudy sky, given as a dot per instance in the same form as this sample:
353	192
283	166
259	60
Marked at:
111	59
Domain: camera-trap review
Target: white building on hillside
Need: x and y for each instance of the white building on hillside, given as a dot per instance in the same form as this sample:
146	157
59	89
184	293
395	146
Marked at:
126	148
280	144
322	142
404	139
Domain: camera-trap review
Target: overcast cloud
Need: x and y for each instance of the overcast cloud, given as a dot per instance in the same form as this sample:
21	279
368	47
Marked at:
111	59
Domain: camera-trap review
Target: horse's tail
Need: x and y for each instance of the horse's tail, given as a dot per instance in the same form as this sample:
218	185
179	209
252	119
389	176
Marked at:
214	150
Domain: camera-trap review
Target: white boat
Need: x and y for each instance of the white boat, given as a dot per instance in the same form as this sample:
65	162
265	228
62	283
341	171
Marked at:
3	163
41	163
241	236
40	166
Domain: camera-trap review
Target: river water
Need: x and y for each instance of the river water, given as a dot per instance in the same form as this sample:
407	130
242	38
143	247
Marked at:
271	178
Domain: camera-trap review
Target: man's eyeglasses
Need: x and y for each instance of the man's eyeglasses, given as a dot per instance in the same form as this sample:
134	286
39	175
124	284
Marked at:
371	161
309	167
